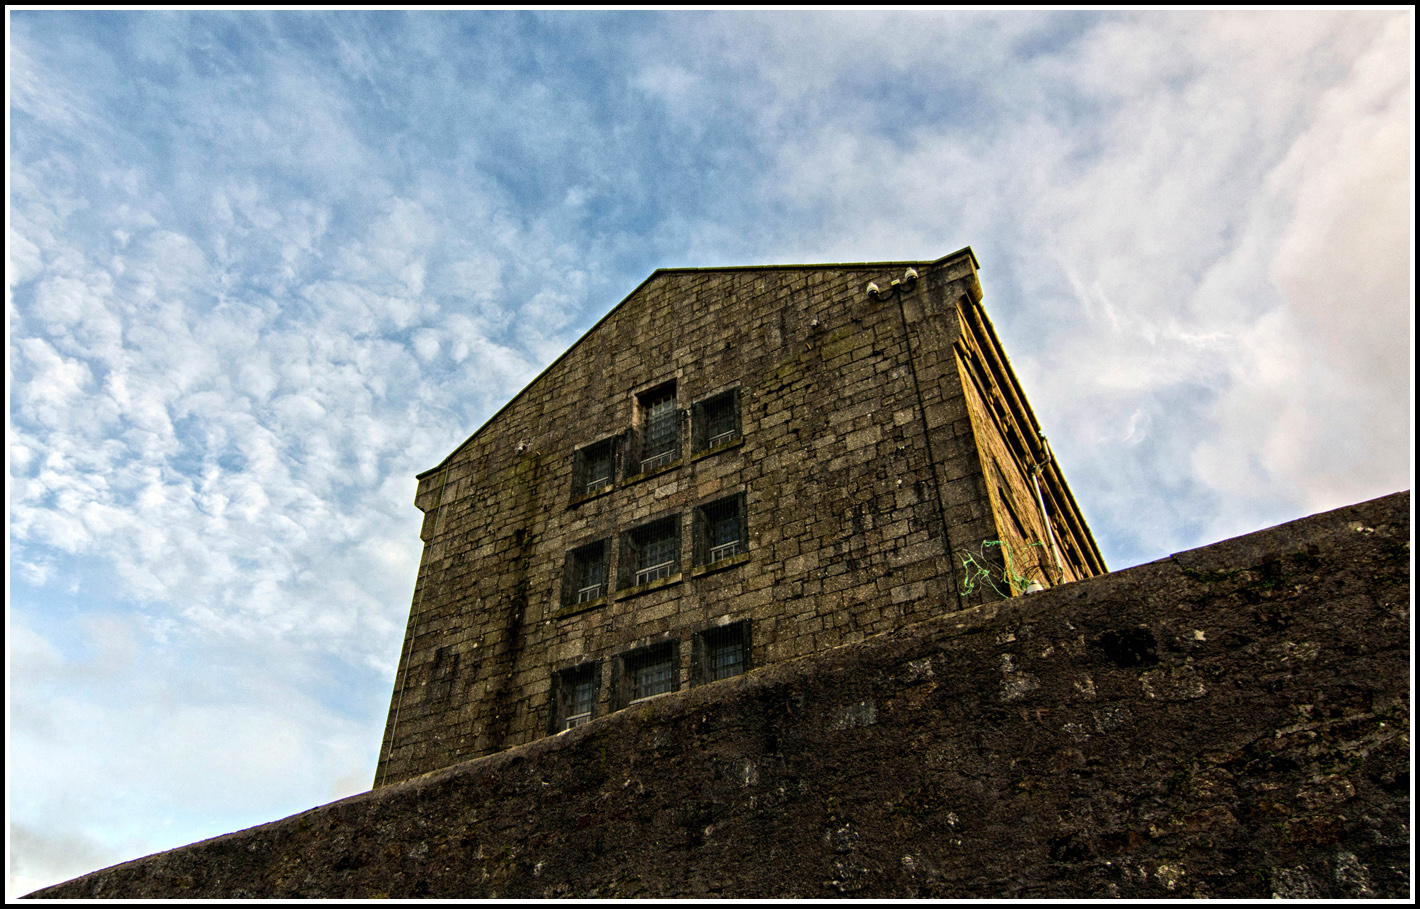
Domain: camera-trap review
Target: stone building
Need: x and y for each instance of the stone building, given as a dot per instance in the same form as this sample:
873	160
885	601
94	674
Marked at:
734	468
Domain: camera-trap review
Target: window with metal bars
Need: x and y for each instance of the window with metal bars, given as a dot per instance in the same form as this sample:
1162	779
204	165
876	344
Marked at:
648	672
574	697
651	552
585	576
716	420
720	530
660	439
651	678
720	653
594	468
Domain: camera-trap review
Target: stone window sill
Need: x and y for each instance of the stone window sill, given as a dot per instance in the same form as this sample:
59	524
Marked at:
723	446
588	496
721	565
649	586
653	472
572	609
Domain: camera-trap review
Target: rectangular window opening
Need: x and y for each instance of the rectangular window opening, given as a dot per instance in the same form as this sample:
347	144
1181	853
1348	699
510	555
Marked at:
594	468
716	420
721	653
653	551
659	428
574	697
599	469
585	577
720	530
648	672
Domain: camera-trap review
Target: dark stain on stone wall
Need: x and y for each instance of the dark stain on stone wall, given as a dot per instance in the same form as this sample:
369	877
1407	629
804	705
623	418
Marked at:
1130	647
507	647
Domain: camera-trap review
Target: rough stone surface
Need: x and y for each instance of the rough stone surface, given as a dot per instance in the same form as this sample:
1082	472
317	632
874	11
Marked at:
878	442
1228	722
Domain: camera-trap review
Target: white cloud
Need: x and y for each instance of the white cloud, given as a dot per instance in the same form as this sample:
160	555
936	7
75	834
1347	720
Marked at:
1320	409
227	737
426	344
57	382
50	101
1353	179
40	858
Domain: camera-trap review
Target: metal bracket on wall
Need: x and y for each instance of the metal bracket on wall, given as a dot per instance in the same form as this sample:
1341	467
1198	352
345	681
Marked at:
904	284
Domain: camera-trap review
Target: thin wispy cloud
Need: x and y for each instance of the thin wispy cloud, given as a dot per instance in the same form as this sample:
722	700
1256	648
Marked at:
266	267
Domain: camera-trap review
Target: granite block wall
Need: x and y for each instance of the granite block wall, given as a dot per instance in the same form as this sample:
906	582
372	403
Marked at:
854	460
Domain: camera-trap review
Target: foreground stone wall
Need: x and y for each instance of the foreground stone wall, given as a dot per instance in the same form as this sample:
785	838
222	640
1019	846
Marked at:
1229	722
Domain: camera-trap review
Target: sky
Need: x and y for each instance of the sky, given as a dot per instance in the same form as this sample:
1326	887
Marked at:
264	267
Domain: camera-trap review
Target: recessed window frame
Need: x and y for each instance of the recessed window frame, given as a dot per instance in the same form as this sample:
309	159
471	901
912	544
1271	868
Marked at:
586	574
650	552
655	435
713	544
646	672
715	421
601	458
716	650
573	698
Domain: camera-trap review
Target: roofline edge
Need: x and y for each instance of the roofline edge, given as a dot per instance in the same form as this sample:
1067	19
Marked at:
965	250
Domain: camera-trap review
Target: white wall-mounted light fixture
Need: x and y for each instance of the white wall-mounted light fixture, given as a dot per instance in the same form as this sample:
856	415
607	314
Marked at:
905	283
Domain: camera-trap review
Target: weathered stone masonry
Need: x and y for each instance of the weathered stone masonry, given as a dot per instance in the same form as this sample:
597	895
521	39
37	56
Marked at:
869	442
1229	722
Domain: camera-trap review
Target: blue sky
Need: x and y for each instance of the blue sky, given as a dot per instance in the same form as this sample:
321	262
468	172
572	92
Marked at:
264	267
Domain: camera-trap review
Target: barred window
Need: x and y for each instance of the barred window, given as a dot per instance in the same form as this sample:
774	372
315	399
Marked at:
716	420
599	467
648	672
574	697
581	699
659	436
651	552
720	653
594	468
724	659
585	577
652	676
720	531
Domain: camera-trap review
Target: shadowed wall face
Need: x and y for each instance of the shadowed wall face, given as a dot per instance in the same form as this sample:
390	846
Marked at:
1229	722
